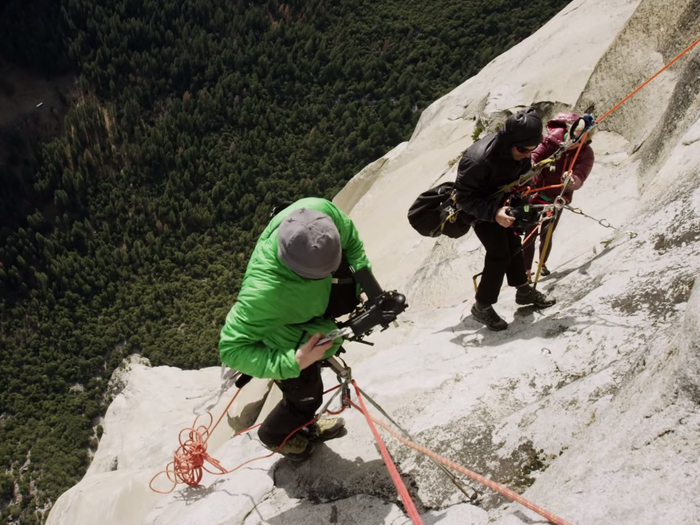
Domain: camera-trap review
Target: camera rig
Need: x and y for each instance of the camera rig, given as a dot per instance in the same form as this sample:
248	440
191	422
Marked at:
525	216
381	308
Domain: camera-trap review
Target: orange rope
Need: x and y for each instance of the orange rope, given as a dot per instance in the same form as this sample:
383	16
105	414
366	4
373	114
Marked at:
505	491
536	190
633	93
691	46
188	464
189	461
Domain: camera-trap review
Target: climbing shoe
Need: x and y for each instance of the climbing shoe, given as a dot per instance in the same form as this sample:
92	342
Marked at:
297	448
488	316
529	295
324	429
544	272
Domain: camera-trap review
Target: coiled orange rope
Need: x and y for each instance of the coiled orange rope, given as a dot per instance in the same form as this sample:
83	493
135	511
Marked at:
190	459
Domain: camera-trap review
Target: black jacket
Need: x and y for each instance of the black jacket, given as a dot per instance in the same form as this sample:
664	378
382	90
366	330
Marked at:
484	168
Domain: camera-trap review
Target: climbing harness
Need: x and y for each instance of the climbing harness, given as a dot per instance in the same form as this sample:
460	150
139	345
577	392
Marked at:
527	177
546	212
590	122
450	208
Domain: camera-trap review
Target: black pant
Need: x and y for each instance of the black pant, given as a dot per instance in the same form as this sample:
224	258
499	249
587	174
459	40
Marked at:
529	248
301	397
503	258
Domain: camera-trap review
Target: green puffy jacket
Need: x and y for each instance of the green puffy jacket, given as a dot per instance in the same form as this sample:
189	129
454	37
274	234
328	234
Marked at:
277	310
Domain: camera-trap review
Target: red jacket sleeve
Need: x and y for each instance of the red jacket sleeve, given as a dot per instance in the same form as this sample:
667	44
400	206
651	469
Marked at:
546	149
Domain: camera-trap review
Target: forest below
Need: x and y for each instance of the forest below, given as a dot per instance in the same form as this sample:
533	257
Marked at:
130	229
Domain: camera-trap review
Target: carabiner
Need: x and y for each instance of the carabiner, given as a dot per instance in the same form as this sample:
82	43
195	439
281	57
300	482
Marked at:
559	203
589	122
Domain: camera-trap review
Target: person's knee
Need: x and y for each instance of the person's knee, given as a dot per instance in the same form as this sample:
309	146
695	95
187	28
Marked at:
266	433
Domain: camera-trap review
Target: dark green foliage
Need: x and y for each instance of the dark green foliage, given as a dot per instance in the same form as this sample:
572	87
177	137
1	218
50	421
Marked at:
476	134
7	488
130	231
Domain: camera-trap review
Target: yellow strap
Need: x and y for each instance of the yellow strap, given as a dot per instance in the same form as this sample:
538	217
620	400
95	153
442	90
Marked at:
543	253
527	177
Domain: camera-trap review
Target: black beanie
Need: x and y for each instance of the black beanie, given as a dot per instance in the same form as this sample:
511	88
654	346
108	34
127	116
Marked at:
524	129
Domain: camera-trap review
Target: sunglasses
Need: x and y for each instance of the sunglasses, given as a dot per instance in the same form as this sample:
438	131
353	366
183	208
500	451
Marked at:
525	151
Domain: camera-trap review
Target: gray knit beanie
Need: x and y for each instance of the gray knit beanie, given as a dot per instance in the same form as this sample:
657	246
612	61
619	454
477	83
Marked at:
309	244
524	129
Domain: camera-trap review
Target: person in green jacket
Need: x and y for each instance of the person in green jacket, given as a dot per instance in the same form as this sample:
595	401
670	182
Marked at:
282	311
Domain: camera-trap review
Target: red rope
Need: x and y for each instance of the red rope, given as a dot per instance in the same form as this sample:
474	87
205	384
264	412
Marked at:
395	476
190	460
505	491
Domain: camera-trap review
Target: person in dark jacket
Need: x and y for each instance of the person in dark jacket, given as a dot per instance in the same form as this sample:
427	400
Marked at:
486	166
557	133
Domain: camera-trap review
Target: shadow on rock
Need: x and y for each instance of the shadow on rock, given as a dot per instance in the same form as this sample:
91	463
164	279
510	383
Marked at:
327	477
191	495
360	510
525	325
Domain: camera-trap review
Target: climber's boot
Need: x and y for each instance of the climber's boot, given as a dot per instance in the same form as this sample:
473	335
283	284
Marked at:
324	428
487	315
297	448
528	295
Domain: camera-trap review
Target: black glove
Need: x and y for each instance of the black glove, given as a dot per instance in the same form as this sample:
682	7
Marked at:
243	380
